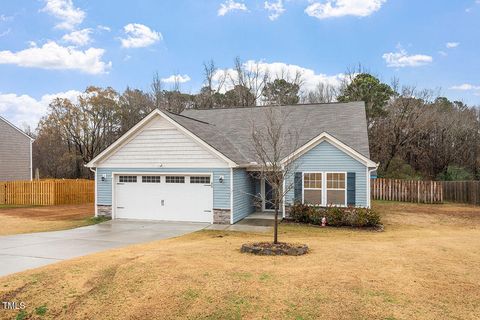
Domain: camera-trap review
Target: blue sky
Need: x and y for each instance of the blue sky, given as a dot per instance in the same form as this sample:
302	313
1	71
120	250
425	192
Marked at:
54	48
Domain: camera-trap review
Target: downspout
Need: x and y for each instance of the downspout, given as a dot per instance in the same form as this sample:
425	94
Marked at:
369	186
95	192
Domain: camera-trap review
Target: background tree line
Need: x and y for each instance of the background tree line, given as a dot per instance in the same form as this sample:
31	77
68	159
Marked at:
413	133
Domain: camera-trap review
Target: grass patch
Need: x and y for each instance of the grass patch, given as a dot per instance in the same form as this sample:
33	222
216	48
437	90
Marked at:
95	220
26	219
21	315
41	311
424	266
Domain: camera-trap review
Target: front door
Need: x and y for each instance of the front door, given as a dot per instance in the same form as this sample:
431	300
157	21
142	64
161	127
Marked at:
269	205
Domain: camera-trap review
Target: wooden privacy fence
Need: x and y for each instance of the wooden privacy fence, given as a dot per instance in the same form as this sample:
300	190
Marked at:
47	192
407	190
462	191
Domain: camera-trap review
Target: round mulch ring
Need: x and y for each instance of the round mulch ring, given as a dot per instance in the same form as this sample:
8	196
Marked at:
275	249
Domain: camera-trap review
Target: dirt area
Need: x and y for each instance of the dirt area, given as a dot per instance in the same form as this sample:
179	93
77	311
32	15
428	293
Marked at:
15	220
425	265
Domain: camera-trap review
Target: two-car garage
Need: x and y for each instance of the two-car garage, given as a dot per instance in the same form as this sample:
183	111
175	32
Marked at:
171	197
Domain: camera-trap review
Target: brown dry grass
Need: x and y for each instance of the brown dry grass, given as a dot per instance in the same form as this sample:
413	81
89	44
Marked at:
426	265
14	220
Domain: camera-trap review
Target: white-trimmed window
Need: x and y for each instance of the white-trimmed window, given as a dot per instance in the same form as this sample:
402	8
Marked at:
200	180
312	188
151	179
336	188
175	179
127	179
325	188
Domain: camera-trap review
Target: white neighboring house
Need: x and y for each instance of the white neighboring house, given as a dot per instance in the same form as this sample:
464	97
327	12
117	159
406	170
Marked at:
15	153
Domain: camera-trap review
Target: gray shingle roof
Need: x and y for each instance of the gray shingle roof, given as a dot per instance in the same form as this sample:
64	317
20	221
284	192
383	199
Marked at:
229	131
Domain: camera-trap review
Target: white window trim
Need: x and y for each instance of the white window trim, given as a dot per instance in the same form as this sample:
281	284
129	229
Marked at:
324	187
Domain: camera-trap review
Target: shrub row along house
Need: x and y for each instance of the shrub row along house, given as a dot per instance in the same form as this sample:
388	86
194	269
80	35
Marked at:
200	165
15	153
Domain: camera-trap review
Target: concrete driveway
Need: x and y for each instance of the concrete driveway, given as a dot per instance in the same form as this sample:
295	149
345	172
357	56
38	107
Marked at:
26	251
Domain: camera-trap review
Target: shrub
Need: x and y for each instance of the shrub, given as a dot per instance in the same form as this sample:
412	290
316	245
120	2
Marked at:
336	216
300	212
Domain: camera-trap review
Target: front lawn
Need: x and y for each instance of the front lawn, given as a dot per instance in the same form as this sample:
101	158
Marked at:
426	265
25	219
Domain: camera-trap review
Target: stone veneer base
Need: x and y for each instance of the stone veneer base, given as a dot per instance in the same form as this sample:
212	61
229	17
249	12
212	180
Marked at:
104	210
221	216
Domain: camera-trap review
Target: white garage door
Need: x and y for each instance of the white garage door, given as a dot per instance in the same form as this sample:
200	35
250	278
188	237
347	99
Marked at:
164	197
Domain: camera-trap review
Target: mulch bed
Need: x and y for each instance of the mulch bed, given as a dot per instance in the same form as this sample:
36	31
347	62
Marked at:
379	228
274	249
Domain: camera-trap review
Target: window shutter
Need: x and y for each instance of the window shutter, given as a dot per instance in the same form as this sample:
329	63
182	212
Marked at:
297	187
351	188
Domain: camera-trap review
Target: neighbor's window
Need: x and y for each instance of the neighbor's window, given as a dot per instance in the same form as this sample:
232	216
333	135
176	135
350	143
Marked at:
312	188
174	179
336	189
127	179
204	180
151	179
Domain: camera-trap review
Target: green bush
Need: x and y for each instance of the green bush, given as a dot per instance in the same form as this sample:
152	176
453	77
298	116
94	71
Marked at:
301	212
336	216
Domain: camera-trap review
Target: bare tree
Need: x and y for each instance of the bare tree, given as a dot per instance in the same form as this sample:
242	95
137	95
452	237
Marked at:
323	93
273	143
407	114
90	125
157	90
251	77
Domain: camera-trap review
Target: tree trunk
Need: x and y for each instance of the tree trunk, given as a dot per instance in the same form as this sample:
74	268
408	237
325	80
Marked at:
275	226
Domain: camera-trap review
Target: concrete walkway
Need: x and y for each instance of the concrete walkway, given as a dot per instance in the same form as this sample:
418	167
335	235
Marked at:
255	222
26	251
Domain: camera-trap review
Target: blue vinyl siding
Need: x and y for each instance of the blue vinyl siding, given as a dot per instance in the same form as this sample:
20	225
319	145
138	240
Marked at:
327	157
243	191
221	191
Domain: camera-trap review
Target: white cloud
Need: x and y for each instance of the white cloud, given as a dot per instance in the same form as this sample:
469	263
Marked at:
442	53
402	59
65	11
24	110
340	8
177	78
4	33
54	56
104	28
231	5
276	9
465	87
139	35
4	18
310	78
451	45
79	37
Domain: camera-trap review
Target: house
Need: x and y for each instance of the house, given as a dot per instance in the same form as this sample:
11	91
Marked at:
15	153
197	166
